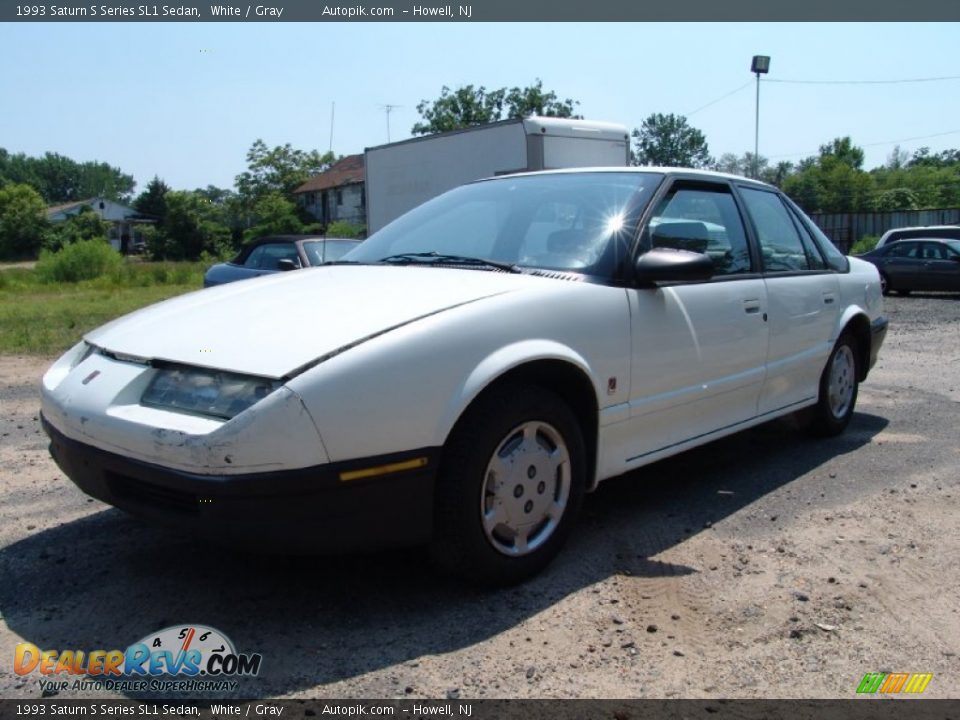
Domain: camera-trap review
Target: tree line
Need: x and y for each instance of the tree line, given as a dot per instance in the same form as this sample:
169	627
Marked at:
833	180
186	224
216	221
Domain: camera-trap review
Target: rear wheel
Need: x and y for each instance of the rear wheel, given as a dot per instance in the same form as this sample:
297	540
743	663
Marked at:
510	486
839	385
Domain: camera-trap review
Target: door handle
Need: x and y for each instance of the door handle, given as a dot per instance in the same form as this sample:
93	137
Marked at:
828	298
751	307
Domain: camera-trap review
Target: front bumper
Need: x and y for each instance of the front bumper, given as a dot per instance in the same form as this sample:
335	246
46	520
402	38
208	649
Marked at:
304	510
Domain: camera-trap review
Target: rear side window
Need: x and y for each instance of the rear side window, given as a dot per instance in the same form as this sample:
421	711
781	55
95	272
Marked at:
705	221
782	246
906	250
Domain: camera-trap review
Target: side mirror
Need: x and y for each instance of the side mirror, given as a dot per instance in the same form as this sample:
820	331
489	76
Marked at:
670	265
286	264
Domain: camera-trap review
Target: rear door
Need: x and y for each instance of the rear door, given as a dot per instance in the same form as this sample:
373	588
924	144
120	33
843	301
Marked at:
803	298
941	268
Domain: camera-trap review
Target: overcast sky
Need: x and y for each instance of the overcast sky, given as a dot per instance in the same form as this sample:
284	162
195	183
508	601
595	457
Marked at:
186	100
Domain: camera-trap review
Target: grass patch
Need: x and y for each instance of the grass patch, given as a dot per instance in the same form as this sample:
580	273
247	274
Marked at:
38	316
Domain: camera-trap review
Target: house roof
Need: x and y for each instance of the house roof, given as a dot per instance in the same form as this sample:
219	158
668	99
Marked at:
346	171
54	209
109	210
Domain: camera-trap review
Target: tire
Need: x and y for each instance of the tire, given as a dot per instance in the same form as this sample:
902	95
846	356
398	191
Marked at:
510	486
839	384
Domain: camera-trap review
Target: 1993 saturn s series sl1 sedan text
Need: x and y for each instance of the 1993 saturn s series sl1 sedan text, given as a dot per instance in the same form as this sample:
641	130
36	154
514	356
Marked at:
467	373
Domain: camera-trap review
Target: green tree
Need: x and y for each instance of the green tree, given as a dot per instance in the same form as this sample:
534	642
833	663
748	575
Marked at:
345	229
532	100
152	201
670	140
60	179
833	181
193	226
23	221
744	165
842	150
278	170
900	198
924	158
85	225
275	215
469	106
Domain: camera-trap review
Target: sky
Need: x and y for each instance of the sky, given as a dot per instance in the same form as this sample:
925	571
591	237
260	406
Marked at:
184	101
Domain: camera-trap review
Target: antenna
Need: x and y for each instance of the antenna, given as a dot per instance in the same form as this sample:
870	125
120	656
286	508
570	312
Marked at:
388	109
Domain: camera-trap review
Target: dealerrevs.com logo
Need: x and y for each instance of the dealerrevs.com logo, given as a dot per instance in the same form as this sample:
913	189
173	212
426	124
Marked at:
181	658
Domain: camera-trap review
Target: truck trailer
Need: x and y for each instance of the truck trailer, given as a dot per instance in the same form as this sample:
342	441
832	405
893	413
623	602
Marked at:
402	175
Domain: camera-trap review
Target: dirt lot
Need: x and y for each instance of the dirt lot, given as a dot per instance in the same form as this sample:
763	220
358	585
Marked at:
764	565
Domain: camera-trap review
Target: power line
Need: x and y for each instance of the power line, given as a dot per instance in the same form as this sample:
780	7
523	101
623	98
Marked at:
722	97
873	144
864	82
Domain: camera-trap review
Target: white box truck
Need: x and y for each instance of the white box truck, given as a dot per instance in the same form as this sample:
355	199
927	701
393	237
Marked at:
402	175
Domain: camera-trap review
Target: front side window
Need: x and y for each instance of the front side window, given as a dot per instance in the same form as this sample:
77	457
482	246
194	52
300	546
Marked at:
704	221
781	245
266	257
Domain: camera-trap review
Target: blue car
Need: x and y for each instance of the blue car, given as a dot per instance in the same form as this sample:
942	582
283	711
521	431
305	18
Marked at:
276	253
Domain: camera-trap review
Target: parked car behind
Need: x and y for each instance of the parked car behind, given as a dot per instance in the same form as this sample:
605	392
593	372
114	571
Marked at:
917	264
946	232
276	253
463	377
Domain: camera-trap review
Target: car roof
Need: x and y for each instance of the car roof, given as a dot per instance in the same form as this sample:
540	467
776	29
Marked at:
296	238
914	228
646	169
926	239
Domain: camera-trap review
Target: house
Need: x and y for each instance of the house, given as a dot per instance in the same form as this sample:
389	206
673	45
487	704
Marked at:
125	222
337	194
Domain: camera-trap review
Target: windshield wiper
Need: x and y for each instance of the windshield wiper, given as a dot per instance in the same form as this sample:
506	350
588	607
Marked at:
435	258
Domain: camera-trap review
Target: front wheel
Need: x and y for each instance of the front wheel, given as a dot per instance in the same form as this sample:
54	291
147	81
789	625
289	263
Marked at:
839	384
510	486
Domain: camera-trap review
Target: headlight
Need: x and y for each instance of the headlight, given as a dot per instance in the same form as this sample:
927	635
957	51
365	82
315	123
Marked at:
206	392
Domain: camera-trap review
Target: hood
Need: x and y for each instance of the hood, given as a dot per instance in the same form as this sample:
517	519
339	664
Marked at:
274	325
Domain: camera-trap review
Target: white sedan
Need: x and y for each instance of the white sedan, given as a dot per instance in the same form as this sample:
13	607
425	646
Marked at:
463	377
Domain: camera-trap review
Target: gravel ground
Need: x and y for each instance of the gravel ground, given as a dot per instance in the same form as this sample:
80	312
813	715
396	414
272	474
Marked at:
762	565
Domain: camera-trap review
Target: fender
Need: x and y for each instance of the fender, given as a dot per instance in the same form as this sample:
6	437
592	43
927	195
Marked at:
499	363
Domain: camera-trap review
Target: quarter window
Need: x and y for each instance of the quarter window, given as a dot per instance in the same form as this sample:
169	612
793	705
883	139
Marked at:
704	221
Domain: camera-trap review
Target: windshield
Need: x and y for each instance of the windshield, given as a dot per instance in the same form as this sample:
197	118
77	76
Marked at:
577	222
321	251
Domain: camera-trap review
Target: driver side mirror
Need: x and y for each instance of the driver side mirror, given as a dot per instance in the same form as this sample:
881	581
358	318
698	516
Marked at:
286	264
670	265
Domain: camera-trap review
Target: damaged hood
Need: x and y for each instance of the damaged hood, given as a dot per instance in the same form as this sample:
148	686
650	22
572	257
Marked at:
272	326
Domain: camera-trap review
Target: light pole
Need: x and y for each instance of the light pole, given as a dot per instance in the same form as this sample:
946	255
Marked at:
760	66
